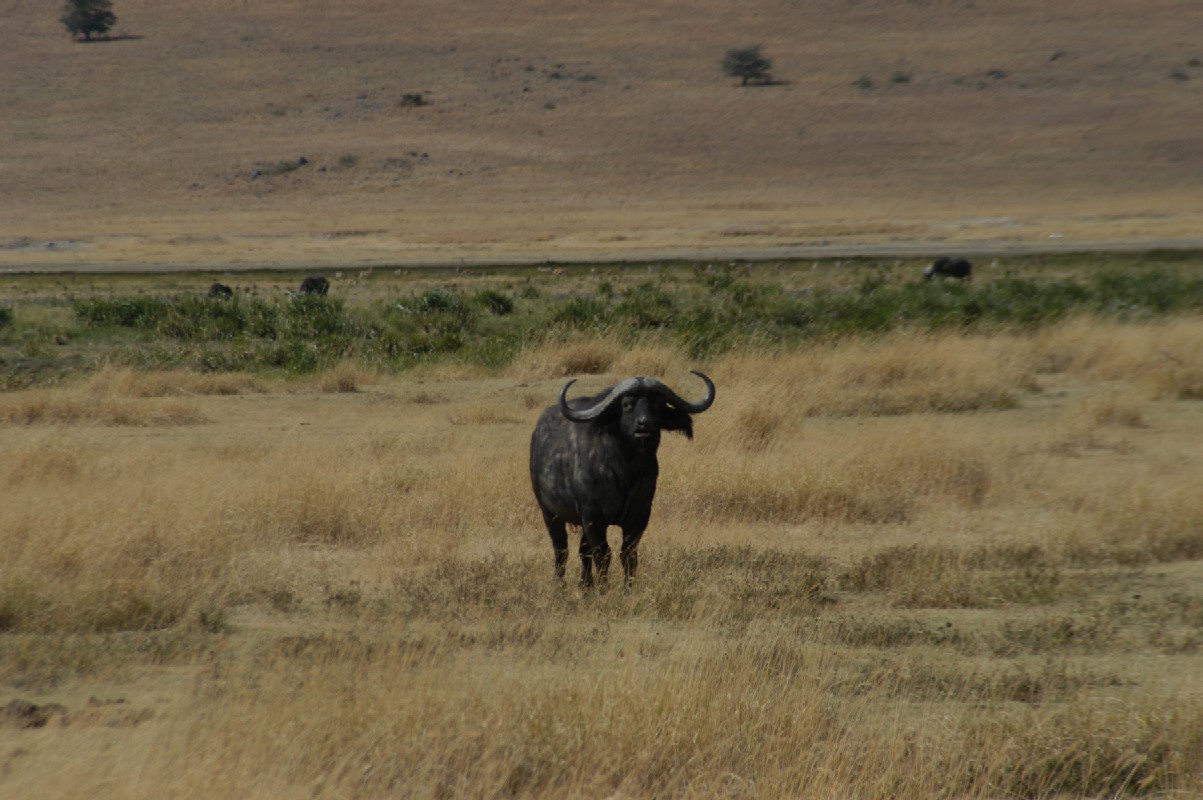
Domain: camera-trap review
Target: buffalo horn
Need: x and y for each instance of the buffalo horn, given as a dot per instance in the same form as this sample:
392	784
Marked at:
680	404
631	384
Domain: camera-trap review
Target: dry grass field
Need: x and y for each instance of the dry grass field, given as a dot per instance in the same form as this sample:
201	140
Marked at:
852	587
564	130
286	547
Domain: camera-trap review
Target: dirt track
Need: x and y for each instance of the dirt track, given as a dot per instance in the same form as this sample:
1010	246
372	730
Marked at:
682	253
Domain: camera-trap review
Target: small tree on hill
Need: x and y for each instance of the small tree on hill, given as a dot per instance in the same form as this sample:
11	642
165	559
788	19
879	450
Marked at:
87	17
748	64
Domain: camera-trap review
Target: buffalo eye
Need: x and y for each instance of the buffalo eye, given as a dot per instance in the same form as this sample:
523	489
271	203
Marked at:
628	403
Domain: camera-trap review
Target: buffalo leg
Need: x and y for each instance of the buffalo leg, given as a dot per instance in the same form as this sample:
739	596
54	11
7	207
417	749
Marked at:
559	542
595	551
586	550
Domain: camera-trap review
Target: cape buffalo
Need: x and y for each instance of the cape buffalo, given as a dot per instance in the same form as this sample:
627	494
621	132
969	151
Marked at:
315	285
593	464
945	267
220	290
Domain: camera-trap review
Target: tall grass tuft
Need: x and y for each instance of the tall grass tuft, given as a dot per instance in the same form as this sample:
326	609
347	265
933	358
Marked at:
882	481
1148	522
118	397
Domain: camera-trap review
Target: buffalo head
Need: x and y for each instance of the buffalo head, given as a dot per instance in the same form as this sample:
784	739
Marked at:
639	408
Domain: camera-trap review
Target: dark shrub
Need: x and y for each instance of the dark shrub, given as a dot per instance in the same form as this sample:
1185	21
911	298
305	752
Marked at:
318	317
88	17
646	306
747	64
496	302
581	312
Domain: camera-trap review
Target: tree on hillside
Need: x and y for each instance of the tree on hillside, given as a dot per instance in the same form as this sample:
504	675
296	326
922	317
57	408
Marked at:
87	17
748	64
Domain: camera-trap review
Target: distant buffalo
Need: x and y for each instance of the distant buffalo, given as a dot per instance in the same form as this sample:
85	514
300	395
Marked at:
593	464
315	285
221	291
945	267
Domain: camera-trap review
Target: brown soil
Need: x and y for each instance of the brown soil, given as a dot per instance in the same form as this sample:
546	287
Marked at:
562	131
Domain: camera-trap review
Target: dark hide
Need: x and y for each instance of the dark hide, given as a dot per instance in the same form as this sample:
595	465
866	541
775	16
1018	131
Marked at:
602	471
318	285
220	290
945	267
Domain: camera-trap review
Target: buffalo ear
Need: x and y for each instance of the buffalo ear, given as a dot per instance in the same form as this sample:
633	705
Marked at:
678	421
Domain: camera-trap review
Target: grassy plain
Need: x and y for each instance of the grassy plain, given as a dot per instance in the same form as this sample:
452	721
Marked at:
912	564
554	131
954	558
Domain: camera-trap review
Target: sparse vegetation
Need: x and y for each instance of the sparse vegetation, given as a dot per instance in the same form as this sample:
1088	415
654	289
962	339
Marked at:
483	154
88	18
747	64
706	312
280	167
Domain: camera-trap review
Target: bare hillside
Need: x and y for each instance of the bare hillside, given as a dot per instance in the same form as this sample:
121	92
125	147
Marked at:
227	133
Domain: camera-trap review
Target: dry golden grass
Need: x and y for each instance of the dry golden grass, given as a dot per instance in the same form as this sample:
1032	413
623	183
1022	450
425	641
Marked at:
877	479
918	373
112	397
852	586
584	356
1162	360
346	378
